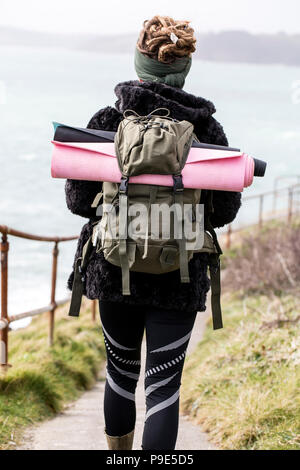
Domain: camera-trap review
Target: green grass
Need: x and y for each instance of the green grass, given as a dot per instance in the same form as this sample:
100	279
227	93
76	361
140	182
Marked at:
42	379
242	383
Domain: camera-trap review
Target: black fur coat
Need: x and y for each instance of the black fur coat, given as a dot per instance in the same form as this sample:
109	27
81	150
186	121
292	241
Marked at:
103	280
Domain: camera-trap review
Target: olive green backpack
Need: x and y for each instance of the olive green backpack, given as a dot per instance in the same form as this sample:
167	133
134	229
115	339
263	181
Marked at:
134	233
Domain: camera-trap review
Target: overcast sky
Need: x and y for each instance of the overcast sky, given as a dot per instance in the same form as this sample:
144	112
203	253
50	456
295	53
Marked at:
121	16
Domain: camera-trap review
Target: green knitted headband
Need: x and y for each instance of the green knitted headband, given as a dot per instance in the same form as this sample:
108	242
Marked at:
152	70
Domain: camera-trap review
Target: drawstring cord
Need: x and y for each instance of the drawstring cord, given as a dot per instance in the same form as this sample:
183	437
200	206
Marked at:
146	120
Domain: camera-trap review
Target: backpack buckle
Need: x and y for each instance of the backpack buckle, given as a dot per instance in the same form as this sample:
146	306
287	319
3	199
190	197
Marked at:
123	189
177	183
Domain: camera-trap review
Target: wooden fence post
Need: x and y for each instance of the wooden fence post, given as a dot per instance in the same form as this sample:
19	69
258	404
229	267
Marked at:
290	208
94	306
228	236
4	247
53	291
261	208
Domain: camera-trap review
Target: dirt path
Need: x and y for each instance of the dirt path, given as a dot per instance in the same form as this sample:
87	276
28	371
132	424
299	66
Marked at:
80	426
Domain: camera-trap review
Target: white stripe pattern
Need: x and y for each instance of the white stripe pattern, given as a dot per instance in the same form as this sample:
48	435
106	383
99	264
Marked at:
131	375
115	343
174	344
119	390
131	362
159	384
162	405
153	370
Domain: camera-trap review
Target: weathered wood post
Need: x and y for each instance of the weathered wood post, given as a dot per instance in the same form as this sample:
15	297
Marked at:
4	247
228	236
94	306
290	209
53	291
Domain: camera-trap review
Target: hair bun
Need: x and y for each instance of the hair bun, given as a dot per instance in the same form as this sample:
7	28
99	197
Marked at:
166	39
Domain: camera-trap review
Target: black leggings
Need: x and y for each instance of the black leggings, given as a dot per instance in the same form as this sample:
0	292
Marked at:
167	336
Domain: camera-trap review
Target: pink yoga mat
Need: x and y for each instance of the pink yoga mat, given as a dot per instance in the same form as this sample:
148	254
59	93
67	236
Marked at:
205	168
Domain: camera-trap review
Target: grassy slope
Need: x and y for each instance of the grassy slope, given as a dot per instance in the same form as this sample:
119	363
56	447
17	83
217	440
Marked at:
42	380
242	383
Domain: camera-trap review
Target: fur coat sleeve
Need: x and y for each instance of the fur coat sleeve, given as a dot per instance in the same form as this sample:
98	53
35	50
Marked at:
80	194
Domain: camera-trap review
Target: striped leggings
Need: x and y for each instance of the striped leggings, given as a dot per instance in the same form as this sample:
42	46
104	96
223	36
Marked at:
167	336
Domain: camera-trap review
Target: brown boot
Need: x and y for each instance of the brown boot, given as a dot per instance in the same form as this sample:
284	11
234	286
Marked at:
120	442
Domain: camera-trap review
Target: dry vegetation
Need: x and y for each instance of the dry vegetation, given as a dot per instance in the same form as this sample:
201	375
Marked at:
242	383
267	262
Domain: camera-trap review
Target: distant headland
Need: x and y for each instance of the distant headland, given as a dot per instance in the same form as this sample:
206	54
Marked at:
227	46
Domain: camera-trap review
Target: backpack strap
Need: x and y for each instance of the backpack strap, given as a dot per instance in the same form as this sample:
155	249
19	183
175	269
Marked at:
178	189
215	280
96	200
79	278
123	214
152	198
214	268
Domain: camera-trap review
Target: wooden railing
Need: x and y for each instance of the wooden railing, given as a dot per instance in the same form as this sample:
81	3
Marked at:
5	318
289	194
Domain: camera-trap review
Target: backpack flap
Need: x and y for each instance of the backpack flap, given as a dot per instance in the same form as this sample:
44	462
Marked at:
152	144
